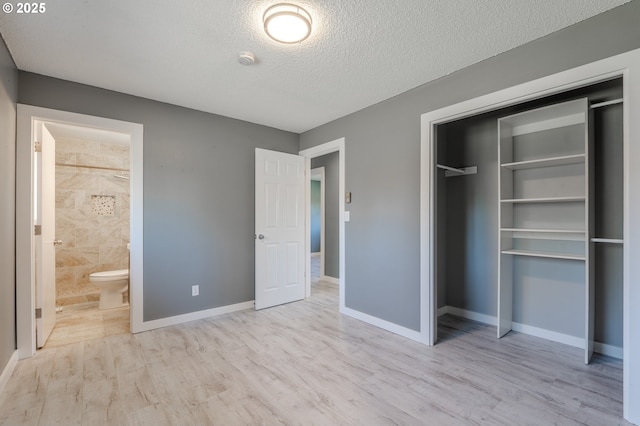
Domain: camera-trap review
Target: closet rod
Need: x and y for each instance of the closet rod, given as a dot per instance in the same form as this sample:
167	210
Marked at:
607	240
613	102
451	169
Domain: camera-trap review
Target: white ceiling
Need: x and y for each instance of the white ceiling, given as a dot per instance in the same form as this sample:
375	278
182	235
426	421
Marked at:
359	53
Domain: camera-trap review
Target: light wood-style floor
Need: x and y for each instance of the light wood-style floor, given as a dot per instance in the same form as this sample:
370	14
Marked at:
78	323
305	364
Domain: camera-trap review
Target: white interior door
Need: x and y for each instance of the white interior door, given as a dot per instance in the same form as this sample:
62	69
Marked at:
280	228
45	243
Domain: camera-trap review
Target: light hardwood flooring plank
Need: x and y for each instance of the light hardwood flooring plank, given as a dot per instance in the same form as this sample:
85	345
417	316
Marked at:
136	390
305	364
98	361
67	362
127	352
63	404
102	404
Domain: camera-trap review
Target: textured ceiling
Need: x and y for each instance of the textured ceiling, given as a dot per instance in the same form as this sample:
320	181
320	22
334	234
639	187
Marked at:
359	53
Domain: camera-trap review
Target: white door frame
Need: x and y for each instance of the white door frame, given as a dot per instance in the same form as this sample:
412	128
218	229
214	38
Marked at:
319	171
627	66
44	244
317	151
25	285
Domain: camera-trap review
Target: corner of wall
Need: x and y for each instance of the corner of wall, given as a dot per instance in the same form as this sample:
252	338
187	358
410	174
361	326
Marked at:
8	106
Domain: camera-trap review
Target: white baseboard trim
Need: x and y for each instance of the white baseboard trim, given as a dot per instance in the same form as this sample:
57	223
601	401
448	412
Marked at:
8	370
332	280
515	326
609	350
383	324
601	348
463	313
192	316
554	336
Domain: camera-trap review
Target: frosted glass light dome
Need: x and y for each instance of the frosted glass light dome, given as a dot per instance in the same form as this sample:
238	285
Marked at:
287	23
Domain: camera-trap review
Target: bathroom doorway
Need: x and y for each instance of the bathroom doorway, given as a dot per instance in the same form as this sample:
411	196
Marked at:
96	202
91	192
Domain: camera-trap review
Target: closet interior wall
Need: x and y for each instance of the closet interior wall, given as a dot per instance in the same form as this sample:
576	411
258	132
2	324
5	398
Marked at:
467	222
608	206
467	217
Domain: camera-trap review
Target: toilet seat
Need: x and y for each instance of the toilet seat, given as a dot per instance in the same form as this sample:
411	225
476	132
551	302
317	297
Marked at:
119	274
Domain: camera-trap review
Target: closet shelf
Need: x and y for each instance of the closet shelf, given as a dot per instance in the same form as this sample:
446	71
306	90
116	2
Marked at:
545	254
607	240
547	234
546	162
546	231
607	103
525	125
545	200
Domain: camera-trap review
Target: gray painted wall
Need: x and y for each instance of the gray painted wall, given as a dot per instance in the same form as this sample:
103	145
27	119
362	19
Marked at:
194	224
383	267
8	98
470	216
316	216
198	192
330	162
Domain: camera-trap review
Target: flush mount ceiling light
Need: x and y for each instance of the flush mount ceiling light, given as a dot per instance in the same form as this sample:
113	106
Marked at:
287	23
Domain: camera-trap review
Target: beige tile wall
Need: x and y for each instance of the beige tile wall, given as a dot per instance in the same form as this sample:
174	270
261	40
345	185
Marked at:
90	242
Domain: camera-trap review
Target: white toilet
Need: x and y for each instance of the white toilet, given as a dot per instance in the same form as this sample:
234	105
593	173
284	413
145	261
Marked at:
112	285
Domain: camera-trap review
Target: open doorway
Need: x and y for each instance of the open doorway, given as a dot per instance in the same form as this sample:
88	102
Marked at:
325	247
318	214
326	262
33	125
89	187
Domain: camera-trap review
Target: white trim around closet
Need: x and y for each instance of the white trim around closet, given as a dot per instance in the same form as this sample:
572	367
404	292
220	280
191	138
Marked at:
627	66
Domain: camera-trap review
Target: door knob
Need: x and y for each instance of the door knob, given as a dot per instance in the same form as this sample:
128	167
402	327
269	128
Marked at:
260	237
57	242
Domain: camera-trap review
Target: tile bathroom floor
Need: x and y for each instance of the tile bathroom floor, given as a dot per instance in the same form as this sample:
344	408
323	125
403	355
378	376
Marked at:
78	323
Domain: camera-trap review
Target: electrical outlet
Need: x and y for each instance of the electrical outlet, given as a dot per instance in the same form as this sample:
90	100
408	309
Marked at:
195	290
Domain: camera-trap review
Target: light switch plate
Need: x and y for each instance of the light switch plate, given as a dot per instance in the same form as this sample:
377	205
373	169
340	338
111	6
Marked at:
347	216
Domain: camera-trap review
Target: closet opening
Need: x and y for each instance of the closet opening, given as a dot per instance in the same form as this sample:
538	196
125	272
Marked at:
528	229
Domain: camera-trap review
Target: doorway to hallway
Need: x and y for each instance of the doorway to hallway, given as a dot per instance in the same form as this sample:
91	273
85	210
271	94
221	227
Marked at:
335	258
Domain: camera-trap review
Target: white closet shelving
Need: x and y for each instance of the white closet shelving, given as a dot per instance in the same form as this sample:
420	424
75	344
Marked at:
544	199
